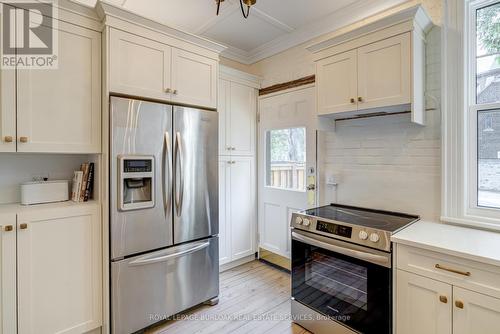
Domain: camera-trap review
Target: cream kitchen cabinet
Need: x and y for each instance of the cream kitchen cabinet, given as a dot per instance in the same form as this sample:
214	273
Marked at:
59	110
149	68
423	305
237	207
237	118
376	68
59	272
475	313
8	273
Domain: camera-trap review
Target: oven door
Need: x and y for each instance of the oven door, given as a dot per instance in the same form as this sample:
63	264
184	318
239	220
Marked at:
345	282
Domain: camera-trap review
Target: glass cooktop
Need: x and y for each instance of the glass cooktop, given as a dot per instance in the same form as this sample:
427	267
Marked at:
377	219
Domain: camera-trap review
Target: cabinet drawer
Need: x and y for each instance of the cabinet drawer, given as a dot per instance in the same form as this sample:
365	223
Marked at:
454	270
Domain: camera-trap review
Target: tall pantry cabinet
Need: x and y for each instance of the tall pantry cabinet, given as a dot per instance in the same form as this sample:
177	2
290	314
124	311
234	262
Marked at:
237	107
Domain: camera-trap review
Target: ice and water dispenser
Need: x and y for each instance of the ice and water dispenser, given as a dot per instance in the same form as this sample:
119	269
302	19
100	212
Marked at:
136	184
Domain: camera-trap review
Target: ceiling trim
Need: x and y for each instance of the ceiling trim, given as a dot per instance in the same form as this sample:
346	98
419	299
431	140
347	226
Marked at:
224	13
271	20
343	17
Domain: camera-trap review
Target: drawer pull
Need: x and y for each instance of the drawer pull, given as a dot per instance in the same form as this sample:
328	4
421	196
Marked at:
443	299
459	303
455	271
9	228
23	226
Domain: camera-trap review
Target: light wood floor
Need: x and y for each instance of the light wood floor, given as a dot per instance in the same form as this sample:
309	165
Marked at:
254	298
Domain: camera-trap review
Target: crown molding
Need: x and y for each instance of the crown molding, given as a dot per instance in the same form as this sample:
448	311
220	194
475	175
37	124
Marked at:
341	18
241	77
106	10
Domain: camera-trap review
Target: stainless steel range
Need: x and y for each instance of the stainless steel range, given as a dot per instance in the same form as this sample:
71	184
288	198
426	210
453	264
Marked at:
342	268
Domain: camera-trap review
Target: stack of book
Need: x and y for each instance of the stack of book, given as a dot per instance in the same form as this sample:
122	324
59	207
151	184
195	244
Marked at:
83	181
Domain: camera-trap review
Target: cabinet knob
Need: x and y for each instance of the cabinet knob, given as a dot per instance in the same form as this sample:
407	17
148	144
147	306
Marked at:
443	299
175	92
8	139
23	139
459	303
168	90
353	100
23	226
8	228
360	99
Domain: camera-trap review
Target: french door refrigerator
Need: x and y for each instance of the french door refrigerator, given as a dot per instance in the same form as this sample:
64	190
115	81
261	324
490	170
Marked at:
163	211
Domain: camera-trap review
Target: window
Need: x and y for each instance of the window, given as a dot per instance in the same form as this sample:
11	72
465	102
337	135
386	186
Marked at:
286	158
484	103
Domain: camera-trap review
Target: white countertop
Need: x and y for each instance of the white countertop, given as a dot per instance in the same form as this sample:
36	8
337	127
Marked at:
469	243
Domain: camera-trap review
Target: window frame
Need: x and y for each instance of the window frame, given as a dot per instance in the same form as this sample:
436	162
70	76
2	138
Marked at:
460	116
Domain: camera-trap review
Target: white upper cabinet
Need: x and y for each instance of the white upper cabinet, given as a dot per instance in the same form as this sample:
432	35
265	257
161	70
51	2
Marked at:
376	68
59	110
8	273
194	79
139	66
224	102
7	106
152	68
475	312
59	262
337	83
384	73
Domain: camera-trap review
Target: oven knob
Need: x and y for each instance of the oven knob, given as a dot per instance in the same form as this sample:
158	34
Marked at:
374	237
306	222
298	220
363	235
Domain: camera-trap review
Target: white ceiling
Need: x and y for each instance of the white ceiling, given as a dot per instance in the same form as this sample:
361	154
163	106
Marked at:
273	25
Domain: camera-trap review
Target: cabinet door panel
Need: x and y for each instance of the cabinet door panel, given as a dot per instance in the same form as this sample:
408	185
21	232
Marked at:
243	207
337	83
480	313
223	104
224	195
59	270
243	116
384	72
59	110
194	79
419	308
139	66
7	106
8	322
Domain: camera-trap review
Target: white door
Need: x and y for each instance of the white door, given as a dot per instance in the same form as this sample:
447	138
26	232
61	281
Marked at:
139	66
337	83
423	305
475	313
287	159
7	106
59	263
242	206
194	79
59	110
224	103
384	72
8	273
242	119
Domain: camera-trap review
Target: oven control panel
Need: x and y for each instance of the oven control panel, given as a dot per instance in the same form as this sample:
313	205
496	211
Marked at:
357	234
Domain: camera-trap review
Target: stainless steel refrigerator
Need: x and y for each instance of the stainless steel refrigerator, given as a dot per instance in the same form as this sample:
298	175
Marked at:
163	211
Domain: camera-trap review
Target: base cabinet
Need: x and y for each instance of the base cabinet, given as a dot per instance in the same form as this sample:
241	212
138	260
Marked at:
423	305
475	313
59	276
237	207
8	317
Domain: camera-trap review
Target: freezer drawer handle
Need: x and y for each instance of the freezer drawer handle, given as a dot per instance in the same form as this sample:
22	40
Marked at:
163	258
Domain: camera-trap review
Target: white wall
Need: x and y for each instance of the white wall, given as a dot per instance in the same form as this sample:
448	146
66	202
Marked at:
16	168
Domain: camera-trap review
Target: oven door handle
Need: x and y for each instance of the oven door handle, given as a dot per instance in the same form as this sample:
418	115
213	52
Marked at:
369	257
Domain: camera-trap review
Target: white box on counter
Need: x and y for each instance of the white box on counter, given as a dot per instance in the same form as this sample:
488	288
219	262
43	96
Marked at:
38	192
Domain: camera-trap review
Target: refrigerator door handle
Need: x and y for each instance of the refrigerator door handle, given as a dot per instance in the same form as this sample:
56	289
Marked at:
163	258
179	158
167	176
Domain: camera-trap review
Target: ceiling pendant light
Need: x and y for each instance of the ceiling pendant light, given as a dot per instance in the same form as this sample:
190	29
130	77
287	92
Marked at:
247	3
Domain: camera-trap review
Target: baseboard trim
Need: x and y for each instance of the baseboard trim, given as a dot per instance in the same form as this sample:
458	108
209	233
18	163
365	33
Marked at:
236	263
274	259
